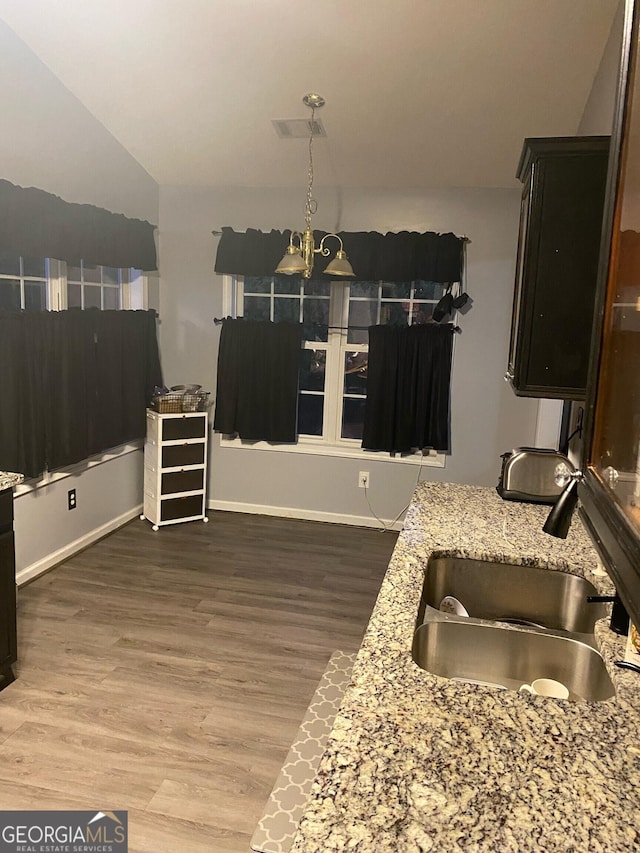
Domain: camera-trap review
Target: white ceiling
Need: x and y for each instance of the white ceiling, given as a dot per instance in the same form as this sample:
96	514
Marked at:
420	93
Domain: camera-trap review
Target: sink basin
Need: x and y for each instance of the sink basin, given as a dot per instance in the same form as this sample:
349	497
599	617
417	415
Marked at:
507	657
506	592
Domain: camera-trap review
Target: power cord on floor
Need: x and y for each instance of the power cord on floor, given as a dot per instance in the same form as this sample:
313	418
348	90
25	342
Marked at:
386	528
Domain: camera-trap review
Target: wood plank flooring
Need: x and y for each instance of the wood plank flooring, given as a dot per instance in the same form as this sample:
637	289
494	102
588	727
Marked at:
167	673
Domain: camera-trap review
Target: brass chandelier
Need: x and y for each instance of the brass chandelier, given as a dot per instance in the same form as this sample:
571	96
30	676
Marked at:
299	257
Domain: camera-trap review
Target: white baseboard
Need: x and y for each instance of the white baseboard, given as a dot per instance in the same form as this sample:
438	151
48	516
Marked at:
51	560
305	514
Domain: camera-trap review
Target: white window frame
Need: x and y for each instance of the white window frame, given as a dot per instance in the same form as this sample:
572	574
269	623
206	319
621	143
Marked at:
22	278
336	346
133	287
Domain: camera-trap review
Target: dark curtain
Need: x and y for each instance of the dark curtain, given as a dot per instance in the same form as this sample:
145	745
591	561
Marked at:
125	371
37	224
22	436
67	396
408	384
406	256
76	383
257	388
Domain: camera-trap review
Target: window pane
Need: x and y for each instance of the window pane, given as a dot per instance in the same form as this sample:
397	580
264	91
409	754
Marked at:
368	289
396	290
355	372
33	267
111	298
317	288
394	313
74	295
10	264
74	274
315	313
352	418
257	284
9	295
287	284
256	307
310	411
35	297
91	274
286	309
111	275
422	312
312	369
428	290
361	313
92	297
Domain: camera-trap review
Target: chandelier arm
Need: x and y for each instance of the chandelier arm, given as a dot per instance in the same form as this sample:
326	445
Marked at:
323	249
298	235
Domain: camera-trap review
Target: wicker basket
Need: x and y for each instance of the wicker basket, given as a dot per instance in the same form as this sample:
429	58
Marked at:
167	404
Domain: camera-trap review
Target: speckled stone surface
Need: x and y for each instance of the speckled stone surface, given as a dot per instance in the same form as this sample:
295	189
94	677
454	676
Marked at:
416	762
8	480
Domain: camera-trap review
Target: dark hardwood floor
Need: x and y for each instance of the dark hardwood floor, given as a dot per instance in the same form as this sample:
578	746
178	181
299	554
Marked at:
167	673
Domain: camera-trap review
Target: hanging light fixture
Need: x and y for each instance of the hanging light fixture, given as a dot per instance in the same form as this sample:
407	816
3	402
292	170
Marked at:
299	257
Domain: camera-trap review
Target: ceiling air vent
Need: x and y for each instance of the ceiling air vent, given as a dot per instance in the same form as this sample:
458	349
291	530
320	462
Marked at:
298	128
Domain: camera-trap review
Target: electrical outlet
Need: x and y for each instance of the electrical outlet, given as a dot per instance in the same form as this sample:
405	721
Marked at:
363	479
71	499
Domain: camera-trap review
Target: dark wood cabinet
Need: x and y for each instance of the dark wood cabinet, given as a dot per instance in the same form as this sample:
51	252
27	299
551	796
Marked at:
8	641
563	196
609	491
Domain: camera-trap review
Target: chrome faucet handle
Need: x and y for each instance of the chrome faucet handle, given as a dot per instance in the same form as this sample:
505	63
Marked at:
563	475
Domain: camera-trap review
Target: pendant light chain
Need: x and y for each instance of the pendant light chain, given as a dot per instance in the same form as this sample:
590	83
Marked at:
312	204
301	251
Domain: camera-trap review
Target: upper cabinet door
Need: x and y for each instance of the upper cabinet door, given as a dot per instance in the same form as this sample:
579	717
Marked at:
610	492
563	197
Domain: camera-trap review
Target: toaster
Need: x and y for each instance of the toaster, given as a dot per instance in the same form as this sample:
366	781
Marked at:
528	474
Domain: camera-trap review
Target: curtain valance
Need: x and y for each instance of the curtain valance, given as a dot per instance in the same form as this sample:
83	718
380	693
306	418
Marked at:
38	224
405	256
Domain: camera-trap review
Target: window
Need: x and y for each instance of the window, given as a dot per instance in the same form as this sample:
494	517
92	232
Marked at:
23	284
94	287
335	316
38	284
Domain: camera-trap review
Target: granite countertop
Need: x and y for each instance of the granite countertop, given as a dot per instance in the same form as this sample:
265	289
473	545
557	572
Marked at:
9	479
416	762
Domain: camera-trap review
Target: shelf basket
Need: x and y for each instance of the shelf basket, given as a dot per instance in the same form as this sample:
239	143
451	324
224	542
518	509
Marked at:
166	404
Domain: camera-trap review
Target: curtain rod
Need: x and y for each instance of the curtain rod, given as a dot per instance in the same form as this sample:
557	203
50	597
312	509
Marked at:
218	321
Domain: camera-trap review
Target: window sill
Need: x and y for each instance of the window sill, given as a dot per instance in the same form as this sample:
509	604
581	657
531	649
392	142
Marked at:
312	448
53	476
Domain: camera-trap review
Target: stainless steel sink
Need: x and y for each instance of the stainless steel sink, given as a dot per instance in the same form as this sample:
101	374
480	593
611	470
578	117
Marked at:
506	592
507	657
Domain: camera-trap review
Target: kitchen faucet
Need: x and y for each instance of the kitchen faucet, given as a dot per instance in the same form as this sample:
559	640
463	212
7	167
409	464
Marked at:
559	519
558	523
